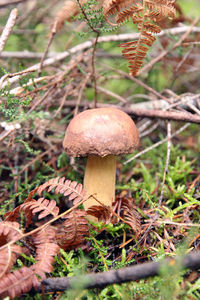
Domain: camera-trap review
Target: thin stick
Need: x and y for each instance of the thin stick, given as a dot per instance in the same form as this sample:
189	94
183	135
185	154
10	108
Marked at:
93	52
157	222
81	93
8	28
156	144
88	44
169	135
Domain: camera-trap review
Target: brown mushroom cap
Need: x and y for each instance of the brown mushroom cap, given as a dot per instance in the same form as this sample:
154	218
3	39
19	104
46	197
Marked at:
101	131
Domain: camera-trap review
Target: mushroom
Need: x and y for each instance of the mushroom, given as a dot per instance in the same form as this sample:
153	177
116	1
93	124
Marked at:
100	134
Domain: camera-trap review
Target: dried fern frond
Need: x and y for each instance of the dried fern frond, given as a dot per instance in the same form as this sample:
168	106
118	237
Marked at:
9	231
127	210
72	189
67	11
43	207
112	7
144	14
15	214
46	249
131	12
72	232
164	8
99	212
8	257
19	282
130	214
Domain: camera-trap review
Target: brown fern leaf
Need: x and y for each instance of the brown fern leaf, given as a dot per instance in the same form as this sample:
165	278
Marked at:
145	15
130	214
12	216
67	11
30	195
46	249
8	256
72	189
136	51
42	207
127	210
164	8
9	231
72	232
112	7
99	212
15	214
18	282
131	12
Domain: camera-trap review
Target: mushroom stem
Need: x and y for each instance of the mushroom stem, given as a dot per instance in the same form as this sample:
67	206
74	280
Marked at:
99	179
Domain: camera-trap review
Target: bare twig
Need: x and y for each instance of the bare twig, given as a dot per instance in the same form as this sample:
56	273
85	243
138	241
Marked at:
17	74
111	94
88	44
141	83
166	115
166	164
5	3
158	222
53	32
8	28
157	144
81	93
93	51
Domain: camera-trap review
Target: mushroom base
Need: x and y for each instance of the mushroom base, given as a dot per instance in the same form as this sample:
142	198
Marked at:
99	180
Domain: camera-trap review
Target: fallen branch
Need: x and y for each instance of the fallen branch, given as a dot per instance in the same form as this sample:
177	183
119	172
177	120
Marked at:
167	115
100	280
